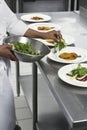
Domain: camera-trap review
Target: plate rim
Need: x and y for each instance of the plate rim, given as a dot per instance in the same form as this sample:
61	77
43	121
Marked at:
75	83
43	40
66	35
44	15
57	27
84	59
50	44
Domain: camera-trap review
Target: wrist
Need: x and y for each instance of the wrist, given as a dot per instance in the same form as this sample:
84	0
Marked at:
34	34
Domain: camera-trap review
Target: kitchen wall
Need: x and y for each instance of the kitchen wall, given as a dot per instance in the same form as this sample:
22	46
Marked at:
11	4
44	5
83	3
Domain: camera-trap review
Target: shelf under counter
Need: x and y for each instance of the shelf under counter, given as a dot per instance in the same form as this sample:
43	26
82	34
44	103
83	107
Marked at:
50	116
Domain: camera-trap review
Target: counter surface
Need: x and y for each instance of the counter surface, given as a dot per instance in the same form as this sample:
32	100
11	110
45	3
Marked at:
72	99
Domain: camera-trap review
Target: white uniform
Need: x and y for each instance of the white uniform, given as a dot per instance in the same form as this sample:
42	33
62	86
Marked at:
8	23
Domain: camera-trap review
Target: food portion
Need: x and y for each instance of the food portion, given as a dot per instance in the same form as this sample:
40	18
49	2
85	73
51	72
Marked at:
50	41
37	18
57	45
25	48
44	28
79	73
69	56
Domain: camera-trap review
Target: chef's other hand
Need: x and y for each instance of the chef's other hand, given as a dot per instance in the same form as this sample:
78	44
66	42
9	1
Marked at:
55	35
5	51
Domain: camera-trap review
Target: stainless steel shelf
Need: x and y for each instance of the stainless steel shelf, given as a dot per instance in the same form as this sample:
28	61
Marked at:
50	117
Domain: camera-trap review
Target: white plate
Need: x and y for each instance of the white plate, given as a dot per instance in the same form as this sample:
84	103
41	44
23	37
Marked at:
66	69
68	39
78	51
35	26
29	17
45	42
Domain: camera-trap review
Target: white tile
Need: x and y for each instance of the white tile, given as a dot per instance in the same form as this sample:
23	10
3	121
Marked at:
25	68
20	102
15	92
23	113
26	124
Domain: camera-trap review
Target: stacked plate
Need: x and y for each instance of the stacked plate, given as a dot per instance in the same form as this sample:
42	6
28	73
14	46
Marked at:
35	17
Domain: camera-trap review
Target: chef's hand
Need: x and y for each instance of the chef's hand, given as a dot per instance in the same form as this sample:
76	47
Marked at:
5	51
55	35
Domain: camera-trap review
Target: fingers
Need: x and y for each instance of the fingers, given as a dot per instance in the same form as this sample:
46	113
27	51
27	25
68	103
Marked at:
58	35
9	47
7	52
12	56
55	35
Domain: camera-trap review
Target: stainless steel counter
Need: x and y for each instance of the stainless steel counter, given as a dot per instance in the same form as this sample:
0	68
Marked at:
71	99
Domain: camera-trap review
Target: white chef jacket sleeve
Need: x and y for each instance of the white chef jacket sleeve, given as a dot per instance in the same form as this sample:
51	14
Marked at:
14	25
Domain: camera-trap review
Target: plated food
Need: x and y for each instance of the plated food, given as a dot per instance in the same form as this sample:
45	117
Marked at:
50	42
44	41
74	74
35	17
79	73
44	27
69	55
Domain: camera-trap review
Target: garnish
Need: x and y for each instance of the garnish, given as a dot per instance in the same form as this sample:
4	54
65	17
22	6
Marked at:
78	72
60	45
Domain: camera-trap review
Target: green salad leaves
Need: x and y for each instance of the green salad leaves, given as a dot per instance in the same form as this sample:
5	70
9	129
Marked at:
60	45
79	72
24	48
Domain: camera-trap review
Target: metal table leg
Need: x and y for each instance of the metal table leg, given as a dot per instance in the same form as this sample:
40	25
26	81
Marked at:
35	98
69	5
19	6
75	5
17	78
